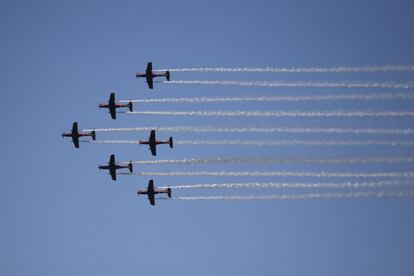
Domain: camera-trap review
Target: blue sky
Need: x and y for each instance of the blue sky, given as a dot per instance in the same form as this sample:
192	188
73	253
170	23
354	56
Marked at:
60	216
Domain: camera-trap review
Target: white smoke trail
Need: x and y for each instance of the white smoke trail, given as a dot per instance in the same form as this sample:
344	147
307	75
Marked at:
390	131
114	142
270	142
279	173
331	97
337	113
379	194
339	69
297	185
390	85
293	142
130	129
277	160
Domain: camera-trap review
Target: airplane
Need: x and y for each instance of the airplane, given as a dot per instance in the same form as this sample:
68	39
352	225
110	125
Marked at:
75	134
112	167
150	75
152	142
112	106
151	192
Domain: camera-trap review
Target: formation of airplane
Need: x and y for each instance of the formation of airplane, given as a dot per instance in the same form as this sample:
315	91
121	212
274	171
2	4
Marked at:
149	75
152	142
151	192
113	166
112	105
75	134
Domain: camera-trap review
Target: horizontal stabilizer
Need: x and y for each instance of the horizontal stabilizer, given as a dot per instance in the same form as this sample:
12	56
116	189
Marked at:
167	75
130	106
130	167
93	135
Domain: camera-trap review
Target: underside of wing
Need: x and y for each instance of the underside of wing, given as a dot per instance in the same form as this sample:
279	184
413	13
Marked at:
75	127
150	83
149	66
113	174
152	143
152	137
112	111
112	98
151	199
76	141
150	187
153	149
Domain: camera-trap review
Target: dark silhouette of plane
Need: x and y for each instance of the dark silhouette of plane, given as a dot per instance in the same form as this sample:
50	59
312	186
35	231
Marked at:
112	106
75	134
151	192
152	142
150	75
112	167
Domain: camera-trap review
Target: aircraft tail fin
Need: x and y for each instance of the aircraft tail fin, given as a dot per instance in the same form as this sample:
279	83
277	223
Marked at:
170	142
130	167
130	106
169	192
167	75
93	134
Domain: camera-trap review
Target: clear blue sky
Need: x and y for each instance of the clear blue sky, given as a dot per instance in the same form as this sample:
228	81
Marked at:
60	216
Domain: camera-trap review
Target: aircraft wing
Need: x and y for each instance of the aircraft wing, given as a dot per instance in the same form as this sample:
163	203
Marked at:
152	137
112	159
150	190
76	141
153	149
152	143
112	98
151	185
150	83
112	168
151	199
113	174
111	105
75	127
112	111
149	66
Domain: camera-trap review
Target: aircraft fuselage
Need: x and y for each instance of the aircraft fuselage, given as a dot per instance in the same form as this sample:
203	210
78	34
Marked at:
113	167
152	144
78	134
111	106
155	192
151	75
